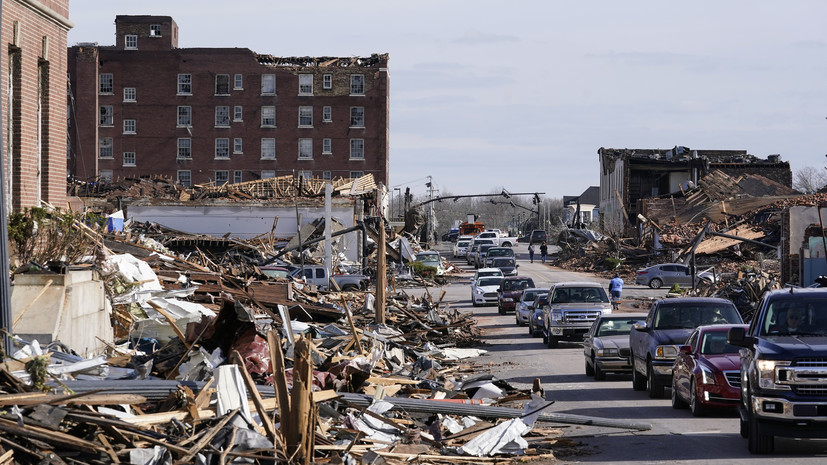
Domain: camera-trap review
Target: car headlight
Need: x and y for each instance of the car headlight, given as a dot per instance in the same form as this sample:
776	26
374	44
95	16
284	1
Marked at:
771	372
508	299
666	352
707	377
478	291
606	352
556	315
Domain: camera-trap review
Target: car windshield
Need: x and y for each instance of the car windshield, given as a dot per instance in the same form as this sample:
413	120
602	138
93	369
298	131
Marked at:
530	296
462	243
794	314
517	284
499	262
276	273
714	342
482	274
500	253
489	281
579	295
687	316
615	326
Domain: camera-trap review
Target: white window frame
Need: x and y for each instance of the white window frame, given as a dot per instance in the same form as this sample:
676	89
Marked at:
238	145
357	84
326	175
305	84
305	149
327	81
130	42
327	146
238	81
224	174
357	117
238	176
106	175
268	148
184	116
105	148
268	174
357	149
107	84
129	126
129	159
305	174
107	116
238	113
268	84
222	148
185	84
306	117
356	174
222	116
327	114
220	86
130	94
154	30
184	149
268	116
185	178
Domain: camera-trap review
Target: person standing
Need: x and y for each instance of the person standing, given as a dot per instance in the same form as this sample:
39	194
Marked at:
543	251
531	251
615	289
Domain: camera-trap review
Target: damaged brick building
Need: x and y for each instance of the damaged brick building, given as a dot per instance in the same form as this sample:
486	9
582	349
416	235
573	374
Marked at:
145	107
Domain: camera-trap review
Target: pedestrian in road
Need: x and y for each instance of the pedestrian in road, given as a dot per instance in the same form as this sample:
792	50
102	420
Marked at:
615	289
543	251
531	251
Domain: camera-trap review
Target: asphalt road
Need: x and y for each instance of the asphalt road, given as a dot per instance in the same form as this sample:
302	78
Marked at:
675	437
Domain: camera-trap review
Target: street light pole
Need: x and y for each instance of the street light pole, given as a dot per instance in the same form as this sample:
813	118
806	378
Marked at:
430	186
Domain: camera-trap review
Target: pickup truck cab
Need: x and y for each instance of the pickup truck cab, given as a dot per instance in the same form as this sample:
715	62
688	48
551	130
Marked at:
573	307
654	342
784	368
317	275
496	238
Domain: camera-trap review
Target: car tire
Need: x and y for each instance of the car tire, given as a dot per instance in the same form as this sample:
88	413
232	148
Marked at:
655	283
757	442
553	342
589	369
500	309
677	402
530	329
545	337
350	287
743	426
638	381
695	406
599	374
653	388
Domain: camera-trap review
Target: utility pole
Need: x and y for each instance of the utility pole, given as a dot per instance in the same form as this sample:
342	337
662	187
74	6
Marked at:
429	225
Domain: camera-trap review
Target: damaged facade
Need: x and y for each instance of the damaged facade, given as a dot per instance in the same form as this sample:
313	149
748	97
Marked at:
145	107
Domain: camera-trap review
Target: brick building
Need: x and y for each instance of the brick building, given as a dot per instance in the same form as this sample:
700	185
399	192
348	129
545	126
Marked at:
145	107
32	101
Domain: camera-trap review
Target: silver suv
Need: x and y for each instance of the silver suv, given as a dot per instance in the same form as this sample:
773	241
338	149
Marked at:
572	308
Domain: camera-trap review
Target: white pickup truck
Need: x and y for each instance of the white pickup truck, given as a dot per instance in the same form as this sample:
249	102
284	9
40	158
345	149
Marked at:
317	275
496	236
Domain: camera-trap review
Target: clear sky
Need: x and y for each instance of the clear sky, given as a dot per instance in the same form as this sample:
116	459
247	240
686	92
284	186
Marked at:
521	95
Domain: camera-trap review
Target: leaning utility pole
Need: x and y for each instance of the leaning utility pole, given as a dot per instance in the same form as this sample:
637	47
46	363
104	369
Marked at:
381	261
5	283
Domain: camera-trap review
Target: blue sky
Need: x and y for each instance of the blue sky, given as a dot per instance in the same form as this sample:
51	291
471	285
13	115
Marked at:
521	95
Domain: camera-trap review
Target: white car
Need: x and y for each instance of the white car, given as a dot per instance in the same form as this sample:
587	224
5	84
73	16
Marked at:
484	290
487	272
431	258
460	247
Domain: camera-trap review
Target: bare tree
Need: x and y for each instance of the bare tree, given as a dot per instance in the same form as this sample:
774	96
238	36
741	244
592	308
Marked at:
809	179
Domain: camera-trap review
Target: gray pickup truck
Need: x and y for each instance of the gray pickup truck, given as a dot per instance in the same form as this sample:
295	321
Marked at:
317	275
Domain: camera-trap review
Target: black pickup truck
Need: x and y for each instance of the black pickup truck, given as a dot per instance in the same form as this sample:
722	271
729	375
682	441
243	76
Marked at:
784	368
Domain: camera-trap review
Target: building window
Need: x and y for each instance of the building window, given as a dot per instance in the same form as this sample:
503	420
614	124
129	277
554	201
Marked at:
238	113
305	117
268	149
356	174
327	114
154	30
185	84
222	84
268	84
305	149
268	174
222	116
106	86
184	148
222	176
105	175
129	94
185	178
131	41
268	117
327	81
357	149
222	148
327	146
129	159
129	126
106	147
306	174
237	176
106	116
357	84
238	145
305	84
326	175
238	82
185	116
357	117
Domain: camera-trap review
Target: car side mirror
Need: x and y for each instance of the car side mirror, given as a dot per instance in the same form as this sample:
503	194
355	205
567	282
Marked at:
640	326
685	350
516	266
738	337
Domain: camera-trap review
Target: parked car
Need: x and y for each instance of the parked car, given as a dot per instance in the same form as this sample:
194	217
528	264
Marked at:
535	323
654	342
431	258
507	264
274	271
669	274
487	272
606	345
573	307
707	372
525	307
484	290
451	236
317	275
460	247
510	290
